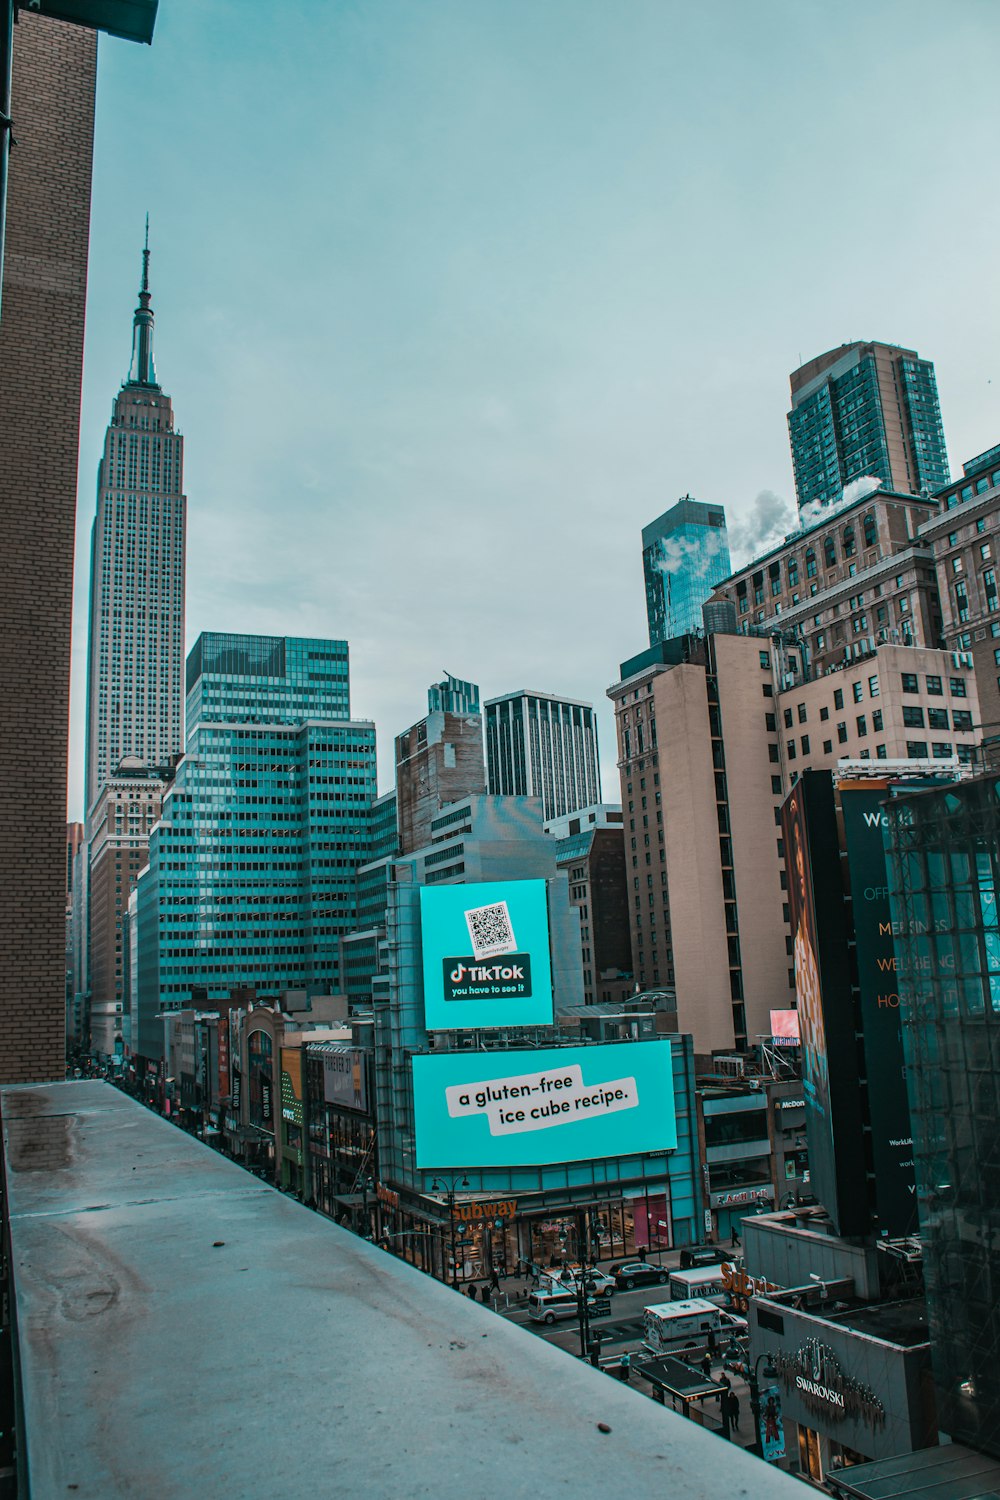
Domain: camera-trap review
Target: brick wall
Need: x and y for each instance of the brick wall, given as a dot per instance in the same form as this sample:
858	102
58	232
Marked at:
41	363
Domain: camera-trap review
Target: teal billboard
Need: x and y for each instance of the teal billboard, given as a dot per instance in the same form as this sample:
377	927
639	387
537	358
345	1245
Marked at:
486	955
551	1104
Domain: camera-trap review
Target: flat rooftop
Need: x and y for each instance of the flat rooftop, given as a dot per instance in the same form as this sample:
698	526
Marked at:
903	1323
185	1331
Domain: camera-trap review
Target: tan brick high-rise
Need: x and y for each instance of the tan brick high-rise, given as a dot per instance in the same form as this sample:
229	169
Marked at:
41	363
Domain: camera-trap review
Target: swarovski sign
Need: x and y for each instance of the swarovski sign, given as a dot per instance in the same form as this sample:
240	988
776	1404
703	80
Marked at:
815	1373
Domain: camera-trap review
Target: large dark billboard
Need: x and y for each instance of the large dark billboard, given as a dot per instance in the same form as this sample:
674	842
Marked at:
888	1108
830	1071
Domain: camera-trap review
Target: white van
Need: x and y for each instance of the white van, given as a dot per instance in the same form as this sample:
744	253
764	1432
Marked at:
670	1326
548	1306
701	1281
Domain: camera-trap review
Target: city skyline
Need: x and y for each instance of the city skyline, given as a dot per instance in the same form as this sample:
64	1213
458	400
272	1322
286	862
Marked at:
485	318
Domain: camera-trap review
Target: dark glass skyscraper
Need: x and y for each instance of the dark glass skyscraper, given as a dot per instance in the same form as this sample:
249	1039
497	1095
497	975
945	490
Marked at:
866	410
944	849
685	553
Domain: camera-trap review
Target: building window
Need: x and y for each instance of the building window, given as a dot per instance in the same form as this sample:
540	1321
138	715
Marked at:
913	717
877	721
828	747
824	714
810	564
910	684
916	749
961	603
873	686
829	553
765	659
961	719
801	711
957	685
790	749
880	752
857	691
842	734
990	588
937	718
805	744
942	751
862	725
838	698
787	715
935	687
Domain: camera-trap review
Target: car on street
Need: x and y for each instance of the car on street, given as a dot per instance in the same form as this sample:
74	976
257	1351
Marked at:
630	1273
700	1255
599	1283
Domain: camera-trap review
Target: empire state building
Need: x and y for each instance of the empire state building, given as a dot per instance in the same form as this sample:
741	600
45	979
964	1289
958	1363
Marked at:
136	637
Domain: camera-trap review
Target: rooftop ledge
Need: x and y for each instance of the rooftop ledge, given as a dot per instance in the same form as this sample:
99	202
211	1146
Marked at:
289	1358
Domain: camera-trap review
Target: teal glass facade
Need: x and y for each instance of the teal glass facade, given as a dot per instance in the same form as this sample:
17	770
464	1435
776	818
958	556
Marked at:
873	412
273	679
252	868
685	554
944	878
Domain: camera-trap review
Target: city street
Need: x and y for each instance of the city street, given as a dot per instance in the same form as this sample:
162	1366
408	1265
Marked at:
623	1332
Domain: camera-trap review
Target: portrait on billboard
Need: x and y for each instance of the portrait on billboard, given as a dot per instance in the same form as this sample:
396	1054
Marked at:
486	955
809	999
551	1104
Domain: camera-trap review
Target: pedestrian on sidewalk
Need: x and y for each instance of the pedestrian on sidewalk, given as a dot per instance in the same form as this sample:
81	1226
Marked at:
734	1410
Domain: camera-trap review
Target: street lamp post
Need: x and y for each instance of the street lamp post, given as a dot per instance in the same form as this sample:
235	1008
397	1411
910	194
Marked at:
449	1189
752	1381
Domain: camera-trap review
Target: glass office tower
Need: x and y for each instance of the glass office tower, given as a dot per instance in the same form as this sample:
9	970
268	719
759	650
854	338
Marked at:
944	848
538	745
251	875
272	678
685	553
866	410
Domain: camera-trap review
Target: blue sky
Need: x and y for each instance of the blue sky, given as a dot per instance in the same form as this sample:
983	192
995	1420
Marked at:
454	296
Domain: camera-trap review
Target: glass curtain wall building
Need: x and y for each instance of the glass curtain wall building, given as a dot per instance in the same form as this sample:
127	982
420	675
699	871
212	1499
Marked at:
944	874
272	679
538	745
866	410
685	554
251	876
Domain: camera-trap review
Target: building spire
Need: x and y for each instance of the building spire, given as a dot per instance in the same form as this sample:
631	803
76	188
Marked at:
142	370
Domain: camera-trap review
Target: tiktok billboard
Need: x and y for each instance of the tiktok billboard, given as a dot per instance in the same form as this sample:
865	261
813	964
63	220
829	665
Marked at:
486	955
553	1104
889	1110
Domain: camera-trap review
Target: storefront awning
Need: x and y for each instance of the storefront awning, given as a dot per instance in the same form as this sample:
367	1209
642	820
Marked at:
948	1473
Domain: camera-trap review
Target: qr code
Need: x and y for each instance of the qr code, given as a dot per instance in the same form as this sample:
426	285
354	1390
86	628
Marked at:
490	930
